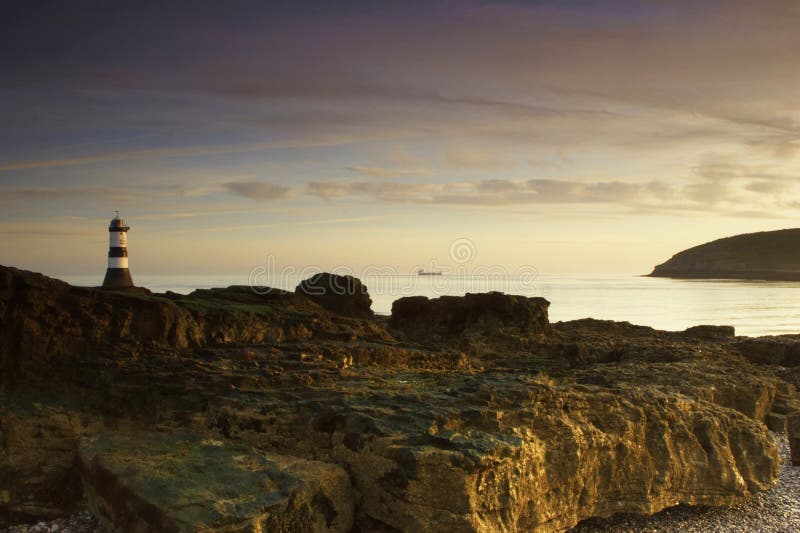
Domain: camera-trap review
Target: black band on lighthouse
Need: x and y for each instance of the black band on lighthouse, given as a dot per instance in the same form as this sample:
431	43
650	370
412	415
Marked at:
116	251
117	278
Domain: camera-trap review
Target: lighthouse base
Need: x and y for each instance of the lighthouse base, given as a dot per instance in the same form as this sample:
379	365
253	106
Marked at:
117	278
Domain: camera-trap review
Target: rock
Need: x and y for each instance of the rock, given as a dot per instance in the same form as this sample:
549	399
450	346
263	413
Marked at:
478	415
489	313
343	295
781	350
47	321
739	388
711	332
495	453
793	431
769	255
604	328
776	422
774	510
38	447
185	482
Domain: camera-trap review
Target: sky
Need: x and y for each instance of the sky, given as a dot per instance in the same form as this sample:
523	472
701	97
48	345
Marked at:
570	136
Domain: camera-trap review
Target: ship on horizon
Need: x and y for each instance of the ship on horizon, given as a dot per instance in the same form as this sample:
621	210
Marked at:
421	272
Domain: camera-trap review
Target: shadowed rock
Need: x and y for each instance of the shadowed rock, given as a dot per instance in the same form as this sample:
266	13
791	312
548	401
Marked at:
455	315
793	427
781	350
343	295
711	332
45	320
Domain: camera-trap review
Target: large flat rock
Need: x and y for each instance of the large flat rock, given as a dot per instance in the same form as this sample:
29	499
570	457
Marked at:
507	452
186	482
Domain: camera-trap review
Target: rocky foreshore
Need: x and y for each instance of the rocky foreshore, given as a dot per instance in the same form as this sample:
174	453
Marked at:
776	510
241	410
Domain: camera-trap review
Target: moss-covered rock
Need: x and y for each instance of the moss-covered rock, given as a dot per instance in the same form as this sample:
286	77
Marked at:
187	482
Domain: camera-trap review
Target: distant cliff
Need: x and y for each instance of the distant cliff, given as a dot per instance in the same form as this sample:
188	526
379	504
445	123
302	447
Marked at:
767	255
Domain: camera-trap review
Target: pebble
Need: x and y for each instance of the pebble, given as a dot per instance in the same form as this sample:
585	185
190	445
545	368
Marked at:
81	522
773	511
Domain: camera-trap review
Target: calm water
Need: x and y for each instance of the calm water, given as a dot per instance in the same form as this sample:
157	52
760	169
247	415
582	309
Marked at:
753	307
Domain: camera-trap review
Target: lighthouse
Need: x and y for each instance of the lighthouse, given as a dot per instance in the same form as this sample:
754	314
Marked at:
117	276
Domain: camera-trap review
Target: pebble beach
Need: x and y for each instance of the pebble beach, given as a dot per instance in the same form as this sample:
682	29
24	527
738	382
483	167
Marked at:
81	522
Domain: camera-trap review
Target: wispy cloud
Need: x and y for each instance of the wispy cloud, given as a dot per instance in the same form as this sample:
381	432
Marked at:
193	151
62	228
386	191
495	192
387	173
314	222
258	190
61	193
124	194
713	192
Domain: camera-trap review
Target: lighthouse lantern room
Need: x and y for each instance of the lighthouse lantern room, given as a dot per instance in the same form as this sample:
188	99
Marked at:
117	275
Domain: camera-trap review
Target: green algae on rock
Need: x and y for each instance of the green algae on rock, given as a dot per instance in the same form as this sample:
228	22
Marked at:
188	482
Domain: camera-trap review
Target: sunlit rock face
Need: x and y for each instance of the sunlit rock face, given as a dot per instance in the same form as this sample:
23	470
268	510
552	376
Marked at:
457	414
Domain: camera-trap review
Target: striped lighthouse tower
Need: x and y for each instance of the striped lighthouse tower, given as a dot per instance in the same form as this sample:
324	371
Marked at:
117	276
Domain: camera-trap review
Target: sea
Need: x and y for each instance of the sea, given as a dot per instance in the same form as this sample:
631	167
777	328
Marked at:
752	307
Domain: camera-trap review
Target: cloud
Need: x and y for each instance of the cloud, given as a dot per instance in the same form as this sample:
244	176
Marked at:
767	186
258	190
553	191
473	158
384	191
63	193
496	186
326	190
52	227
496	191
45	232
709	192
124	193
386	173
721	168
723	195
186	151
292	223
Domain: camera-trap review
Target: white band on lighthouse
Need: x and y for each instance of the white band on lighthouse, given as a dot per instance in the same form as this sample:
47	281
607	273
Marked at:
117	262
117	239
